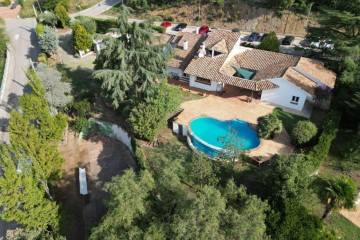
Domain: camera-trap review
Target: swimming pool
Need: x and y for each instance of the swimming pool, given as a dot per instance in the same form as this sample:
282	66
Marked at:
205	133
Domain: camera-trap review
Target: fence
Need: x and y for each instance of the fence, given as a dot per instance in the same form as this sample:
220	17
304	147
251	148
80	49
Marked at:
6	70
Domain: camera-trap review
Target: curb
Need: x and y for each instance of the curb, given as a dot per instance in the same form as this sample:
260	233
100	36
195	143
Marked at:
6	70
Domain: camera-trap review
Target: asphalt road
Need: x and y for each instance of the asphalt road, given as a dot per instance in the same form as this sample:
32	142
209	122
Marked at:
97	9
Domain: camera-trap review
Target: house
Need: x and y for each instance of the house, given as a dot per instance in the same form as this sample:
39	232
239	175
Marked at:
215	61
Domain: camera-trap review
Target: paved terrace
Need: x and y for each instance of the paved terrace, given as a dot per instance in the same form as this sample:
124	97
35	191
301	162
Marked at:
230	105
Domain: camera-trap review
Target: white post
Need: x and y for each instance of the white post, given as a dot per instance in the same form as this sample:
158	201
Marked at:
34	10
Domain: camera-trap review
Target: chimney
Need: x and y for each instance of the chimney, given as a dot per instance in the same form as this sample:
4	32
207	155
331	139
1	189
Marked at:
212	52
186	45
203	46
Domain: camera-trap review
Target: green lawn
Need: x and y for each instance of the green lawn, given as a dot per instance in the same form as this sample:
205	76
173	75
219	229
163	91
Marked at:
346	229
187	96
289	120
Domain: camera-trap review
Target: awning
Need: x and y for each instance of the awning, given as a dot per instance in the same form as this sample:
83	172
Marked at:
243	73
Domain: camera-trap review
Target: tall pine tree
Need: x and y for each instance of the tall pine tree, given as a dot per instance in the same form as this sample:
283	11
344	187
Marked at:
130	63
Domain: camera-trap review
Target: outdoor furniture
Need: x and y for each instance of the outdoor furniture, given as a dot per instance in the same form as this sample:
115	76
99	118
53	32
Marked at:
82	181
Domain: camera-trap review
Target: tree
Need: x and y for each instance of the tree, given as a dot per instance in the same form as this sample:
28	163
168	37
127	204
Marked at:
202	171
33	132
80	124
88	23
58	93
48	41
233	145
282	4
342	192
322	94
131	63
270	43
127	203
39	29
48	18
288	177
303	132
21	197
62	15
51	4
269	126
81	38
150	114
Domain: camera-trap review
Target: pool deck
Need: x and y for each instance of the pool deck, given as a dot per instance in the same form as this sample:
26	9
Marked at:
233	105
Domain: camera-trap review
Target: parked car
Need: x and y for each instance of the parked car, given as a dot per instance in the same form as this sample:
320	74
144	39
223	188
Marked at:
288	40
165	24
180	26
235	30
204	30
254	36
263	36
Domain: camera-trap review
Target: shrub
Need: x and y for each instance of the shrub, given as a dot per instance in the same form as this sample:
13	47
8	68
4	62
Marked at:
39	29
158	28
103	25
79	108
329	130
42	58
48	19
303	132
270	43
268	126
6	3
88	23
81	38
48	41
80	124
62	15
138	154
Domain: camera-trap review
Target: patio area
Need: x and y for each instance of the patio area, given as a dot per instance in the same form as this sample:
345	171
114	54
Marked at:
233	104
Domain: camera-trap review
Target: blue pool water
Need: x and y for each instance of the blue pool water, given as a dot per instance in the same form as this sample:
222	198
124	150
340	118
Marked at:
206	132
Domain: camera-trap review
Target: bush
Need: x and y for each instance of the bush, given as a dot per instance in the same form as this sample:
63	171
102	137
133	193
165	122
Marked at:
48	18
80	124
269	126
79	109
103	25
48	41
270	43
159	29
303	132
88	23
62	15
42	58
138	154
39	29
6	3
81	38
329	130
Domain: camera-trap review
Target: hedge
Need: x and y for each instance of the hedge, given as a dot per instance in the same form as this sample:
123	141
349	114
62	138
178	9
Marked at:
159	29
140	160
329	130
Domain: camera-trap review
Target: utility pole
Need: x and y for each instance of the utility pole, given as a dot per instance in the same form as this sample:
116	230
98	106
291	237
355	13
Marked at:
199	12
39	5
308	13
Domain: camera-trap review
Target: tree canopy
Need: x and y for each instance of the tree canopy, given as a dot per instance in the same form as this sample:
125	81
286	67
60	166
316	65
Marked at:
270	43
130	63
48	41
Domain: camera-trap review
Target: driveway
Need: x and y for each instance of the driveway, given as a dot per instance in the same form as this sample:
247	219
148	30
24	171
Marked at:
97	9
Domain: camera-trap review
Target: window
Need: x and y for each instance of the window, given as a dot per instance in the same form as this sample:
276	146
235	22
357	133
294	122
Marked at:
295	100
203	81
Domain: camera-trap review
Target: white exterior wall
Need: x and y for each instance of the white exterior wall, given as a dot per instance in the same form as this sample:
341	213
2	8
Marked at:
282	95
175	71
213	87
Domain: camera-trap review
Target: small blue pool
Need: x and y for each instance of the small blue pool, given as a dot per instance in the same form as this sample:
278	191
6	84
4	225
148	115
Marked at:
206	133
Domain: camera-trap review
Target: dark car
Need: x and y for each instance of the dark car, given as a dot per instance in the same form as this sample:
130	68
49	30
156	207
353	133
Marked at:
288	40
180	26
263	36
235	30
254	36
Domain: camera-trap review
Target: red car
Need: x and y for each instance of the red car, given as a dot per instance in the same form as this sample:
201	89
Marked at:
204	30
165	24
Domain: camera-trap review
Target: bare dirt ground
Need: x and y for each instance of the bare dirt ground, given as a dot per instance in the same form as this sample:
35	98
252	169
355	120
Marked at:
353	216
103	158
7	13
239	15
